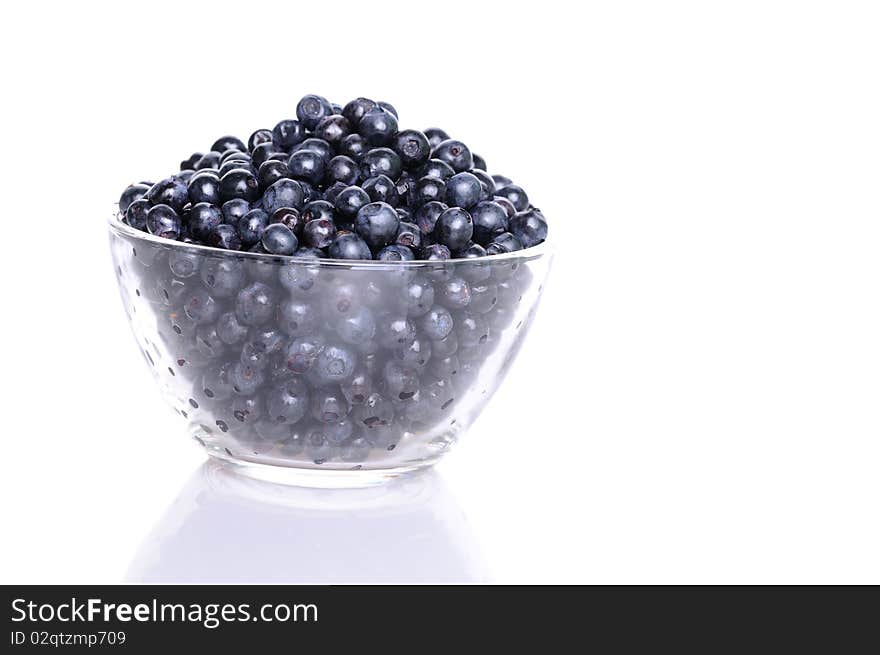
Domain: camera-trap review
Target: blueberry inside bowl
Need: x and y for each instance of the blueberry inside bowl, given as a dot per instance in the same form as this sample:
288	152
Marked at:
334	302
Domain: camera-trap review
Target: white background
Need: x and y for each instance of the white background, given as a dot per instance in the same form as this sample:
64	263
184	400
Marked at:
698	399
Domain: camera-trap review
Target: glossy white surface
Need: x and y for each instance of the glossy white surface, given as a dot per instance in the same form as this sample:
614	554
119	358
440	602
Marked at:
697	401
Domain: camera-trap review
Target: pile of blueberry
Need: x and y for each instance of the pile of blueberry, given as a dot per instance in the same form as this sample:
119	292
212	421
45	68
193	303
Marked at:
339	182
295	360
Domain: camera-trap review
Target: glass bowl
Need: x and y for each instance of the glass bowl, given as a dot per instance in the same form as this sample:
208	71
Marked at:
324	372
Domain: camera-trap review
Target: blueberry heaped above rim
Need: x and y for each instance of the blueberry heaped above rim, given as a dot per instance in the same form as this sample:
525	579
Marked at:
379	192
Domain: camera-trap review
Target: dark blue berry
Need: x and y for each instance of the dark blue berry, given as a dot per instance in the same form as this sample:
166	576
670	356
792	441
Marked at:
251	226
224	236
318	209
381	189
515	195
230	330
353	146
318	233
283	193
435	252
377	224
225	143
333	129
288	133
279	239
255	304
316	145
463	190
203	218
233	210
356	109
380	161
413	148
479	162
426	216
409	235
435	136
503	243
395	253
239	183
163	221
263	152
529	227
190	162
290	217
257	138
454	228
132	192
377	126
171	191
270	172
454	153
436	168
490	219
184	263
136	214
311	109
335	364
307	165
342	169
208	160
350	200
427	189
348	245
204	187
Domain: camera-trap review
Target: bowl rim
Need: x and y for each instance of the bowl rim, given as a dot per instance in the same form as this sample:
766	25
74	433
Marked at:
117	225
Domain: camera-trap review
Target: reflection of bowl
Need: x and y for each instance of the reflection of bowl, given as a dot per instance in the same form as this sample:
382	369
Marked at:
226	528
324	372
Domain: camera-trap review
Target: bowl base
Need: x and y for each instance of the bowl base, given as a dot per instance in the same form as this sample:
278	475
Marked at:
327	479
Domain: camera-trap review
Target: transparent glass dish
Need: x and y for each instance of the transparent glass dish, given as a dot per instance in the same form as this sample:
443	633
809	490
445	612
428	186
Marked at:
324	372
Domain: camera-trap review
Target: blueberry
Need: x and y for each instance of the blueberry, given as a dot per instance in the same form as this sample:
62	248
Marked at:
454	153
222	275
309	253
258	138
296	317
311	109
426	216
225	143
463	190
418	296
287	402
479	163
299	279
372	415
529	227
278	239
318	233
380	161
506	205
356	109
289	217
472	331
239	183
163	221
437	323
233	210
484	297
490	220
435	252
395	253
262	345
184	263
486	184
348	245
334	364
333	129
436	168
234	154
409	235
342	169
230	330
454	293
315	145
413	148
224	236
317	446
444	367
330	406
415	354
171	191
318	210
395	331
332	192
203	218
445	347
381	189
283	193
503	243
515	195
401	381
302	353
306	165
264	152
270	172
209	160
288	133
247	409
255	304
358	387
132	192
377	224
454	228
190	162
435	136
377	126
427	189
235	165
387	106
204	187
136	214
208	343
201	307
350	200
215	381
353	146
